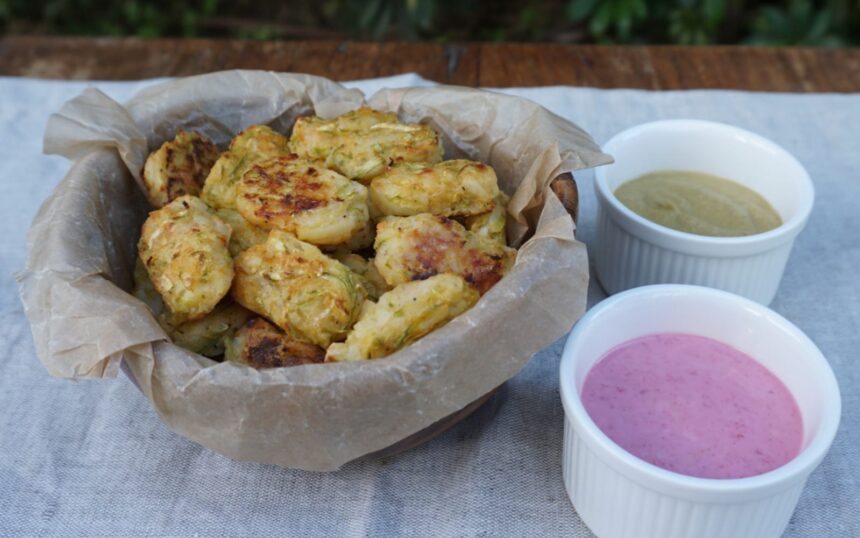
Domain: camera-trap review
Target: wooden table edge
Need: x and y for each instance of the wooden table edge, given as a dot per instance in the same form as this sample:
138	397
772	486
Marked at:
653	67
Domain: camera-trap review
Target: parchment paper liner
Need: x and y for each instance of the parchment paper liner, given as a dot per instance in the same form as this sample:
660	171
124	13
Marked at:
314	417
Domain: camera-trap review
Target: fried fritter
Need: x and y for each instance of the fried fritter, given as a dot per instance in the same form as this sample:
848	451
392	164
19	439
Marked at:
178	167
403	315
450	188
492	223
245	235
205	335
262	345
361	143
367	272
304	292
360	240
417	247
254	144
297	196
184	248
209	334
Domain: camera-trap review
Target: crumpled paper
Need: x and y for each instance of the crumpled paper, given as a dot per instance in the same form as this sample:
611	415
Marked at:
82	246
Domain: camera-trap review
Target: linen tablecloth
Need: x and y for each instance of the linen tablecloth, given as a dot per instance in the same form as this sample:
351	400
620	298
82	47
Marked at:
92	459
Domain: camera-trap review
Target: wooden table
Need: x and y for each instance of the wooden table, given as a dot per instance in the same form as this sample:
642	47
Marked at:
656	68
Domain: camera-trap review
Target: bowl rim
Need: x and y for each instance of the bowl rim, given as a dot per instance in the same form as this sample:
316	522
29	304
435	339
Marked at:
677	484
703	244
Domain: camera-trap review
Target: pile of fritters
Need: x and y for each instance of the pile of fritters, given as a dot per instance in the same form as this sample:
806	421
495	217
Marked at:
347	241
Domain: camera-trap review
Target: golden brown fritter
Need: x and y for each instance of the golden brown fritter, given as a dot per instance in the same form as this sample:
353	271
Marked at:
360	240
209	334
260	344
245	235
297	196
254	144
366	271
184	248
178	167
458	188
417	247
491	224
304	292
361	143
205	335
403	315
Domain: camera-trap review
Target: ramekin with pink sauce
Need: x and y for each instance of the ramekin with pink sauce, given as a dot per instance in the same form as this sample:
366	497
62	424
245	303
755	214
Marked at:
620	495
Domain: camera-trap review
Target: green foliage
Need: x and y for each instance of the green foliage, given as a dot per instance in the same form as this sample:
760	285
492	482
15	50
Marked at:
611	17
701	22
696	22
799	23
689	22
375	18
110	18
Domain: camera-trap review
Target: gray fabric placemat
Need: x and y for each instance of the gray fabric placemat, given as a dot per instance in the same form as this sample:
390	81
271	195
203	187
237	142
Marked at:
92	459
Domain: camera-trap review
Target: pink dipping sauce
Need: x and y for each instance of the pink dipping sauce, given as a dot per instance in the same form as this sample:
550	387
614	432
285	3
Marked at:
694	406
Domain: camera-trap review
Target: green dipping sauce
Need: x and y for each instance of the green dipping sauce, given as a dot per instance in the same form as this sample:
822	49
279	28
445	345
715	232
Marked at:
698	203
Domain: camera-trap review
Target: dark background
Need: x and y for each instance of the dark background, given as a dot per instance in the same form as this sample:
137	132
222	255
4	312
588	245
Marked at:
832	23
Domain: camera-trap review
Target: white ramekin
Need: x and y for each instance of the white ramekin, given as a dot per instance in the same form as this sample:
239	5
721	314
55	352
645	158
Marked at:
632	251
619	495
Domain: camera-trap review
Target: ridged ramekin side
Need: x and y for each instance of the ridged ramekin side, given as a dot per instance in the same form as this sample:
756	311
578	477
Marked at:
613	505
624	261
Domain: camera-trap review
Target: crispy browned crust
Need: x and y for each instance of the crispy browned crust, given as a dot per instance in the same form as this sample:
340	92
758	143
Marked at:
426	245
564	186
179	167
262	345
431	250
254	144
306	191
298	196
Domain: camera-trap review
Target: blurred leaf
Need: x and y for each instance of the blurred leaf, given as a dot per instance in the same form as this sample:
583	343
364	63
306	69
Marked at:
797	24
614	20
578	10
714	10
772	22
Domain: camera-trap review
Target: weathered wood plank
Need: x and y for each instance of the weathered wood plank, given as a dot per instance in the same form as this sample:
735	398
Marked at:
651	67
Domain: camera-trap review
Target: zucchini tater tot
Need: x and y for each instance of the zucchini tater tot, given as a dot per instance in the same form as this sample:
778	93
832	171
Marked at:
245	235
366	270
403	315
458	188
304	292
361	143
492	224
360	240
260	344
184	249
298	196
418	247
254	144
209	334
178	167
205	335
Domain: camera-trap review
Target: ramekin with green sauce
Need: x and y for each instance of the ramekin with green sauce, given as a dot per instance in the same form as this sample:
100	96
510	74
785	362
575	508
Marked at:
698	202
